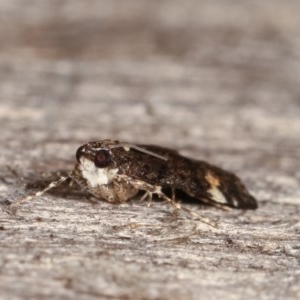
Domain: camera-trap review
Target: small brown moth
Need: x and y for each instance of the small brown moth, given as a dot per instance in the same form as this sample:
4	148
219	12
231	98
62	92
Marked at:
115	171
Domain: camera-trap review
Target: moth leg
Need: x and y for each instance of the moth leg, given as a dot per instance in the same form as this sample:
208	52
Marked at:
12	208
153	189
149	189
147	196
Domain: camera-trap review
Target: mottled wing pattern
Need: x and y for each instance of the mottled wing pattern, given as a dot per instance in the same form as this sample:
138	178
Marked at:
226	188
202	181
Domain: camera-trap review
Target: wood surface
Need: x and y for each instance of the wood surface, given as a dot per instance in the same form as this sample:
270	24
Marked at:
217	80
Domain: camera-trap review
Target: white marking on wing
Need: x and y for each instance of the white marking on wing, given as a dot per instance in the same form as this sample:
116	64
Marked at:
217	195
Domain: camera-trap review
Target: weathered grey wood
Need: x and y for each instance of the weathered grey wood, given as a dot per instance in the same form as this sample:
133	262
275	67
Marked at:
218	80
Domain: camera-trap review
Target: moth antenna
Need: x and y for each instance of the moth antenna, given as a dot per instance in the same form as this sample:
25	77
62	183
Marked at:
14	206
125	145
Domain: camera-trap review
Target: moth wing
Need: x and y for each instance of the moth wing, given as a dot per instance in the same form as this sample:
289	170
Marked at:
219	188
209	184
227	189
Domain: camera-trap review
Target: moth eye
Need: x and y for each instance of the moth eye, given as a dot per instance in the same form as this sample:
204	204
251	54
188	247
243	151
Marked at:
79	153
102	159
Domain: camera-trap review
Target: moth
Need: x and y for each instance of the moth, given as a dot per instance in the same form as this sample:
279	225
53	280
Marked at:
117	171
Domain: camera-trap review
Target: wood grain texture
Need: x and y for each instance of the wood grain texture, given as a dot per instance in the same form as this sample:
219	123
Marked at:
218	81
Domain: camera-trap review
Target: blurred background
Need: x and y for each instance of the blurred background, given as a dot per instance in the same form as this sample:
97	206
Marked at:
220	79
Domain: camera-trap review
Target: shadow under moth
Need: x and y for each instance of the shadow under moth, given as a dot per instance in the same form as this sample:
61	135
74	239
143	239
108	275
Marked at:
116	171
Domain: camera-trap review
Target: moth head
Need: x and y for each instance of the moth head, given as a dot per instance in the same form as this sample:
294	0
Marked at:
96	164
98	152
100	157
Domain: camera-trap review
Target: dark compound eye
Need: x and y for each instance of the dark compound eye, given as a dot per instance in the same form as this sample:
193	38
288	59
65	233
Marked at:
102	159
79	152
